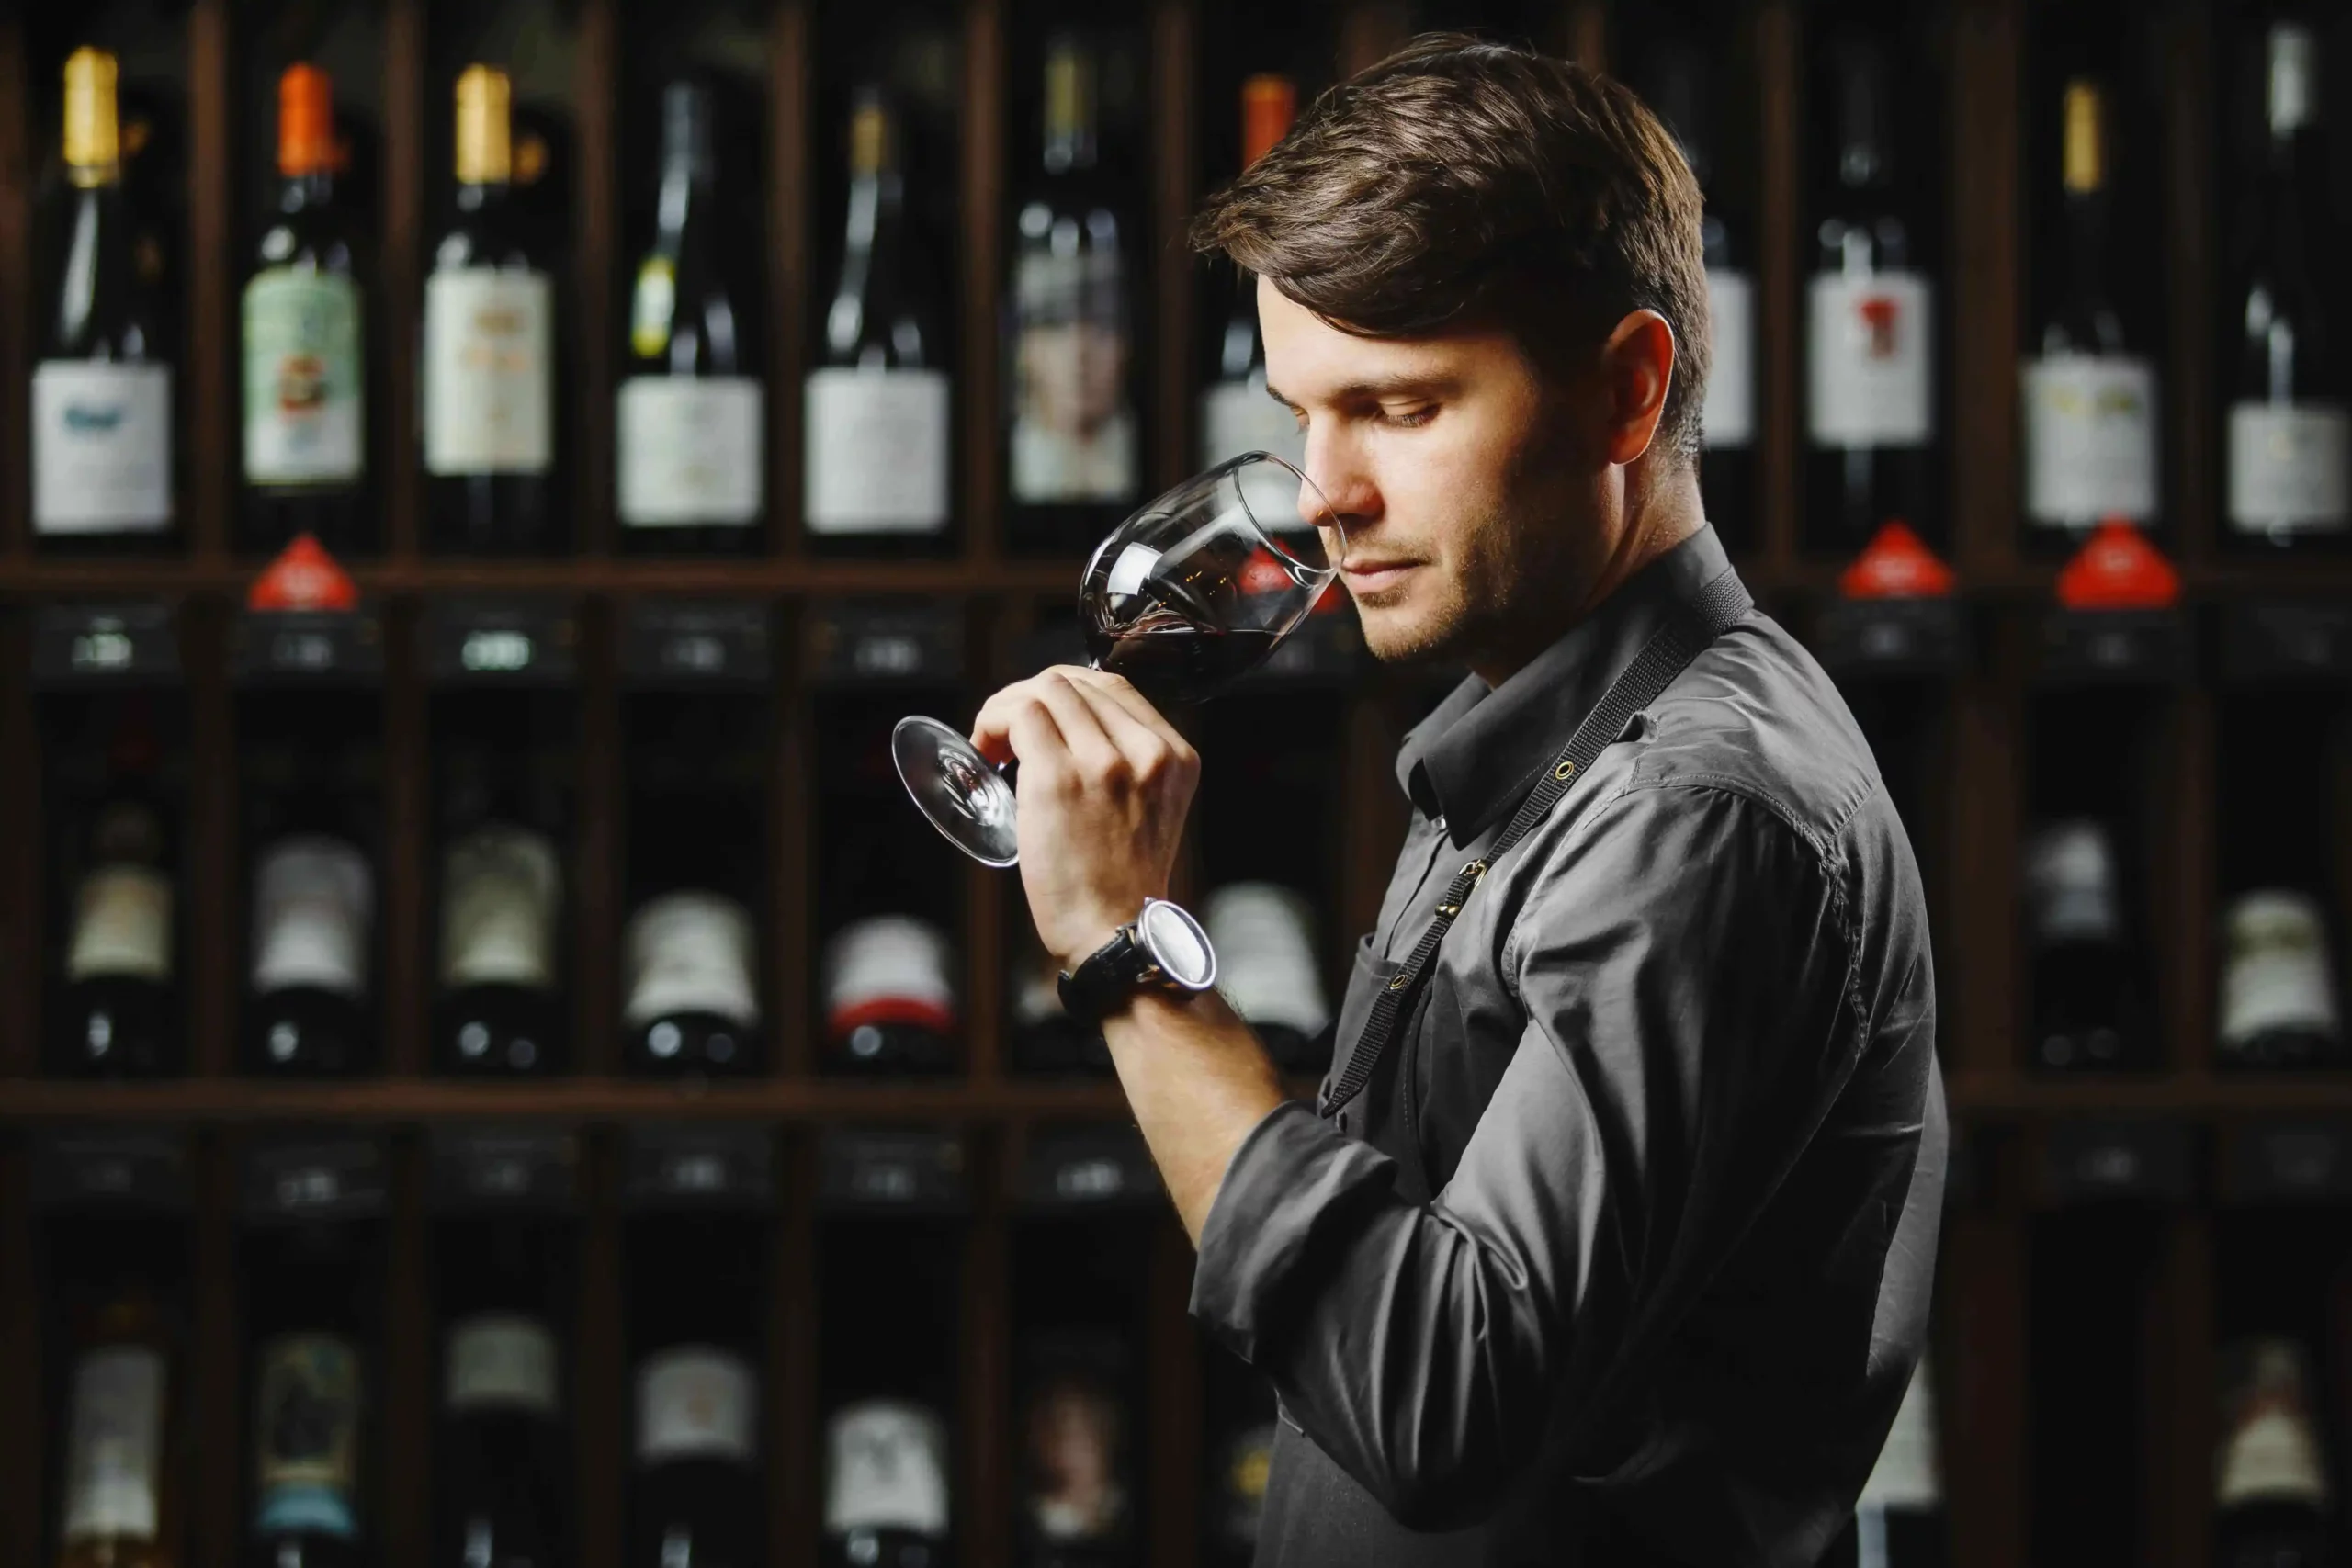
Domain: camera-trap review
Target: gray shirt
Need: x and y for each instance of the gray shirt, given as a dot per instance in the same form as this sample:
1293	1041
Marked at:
1624	1254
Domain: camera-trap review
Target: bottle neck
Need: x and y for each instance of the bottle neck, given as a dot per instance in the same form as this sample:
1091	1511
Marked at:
305	190
686	186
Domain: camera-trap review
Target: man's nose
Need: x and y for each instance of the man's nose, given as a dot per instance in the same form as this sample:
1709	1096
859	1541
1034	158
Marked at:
1335	466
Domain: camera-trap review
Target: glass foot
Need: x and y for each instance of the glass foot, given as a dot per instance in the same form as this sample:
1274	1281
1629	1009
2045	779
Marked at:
964	795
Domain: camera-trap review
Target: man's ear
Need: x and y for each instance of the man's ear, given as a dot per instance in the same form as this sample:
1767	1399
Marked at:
1637	370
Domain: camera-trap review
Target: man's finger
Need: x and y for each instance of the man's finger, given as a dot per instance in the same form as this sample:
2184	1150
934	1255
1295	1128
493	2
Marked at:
1120	690
997	734
1151	750
1091	746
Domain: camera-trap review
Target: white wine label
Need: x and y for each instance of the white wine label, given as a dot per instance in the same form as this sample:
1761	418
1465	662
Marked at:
877	449
501	1360
1073	433
1240	416
885	1468
2271	1447
691	450
305	396
306	1420
122	925
2291	468
488	372
2070	878
2090	439
891	969
2278	975
499	891
102	447
1869	374
1264	937
1729	417
1908	1474
1077	1442
313	905
690	953
693	1403
114	1444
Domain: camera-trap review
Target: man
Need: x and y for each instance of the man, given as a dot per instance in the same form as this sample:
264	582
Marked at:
1621	1254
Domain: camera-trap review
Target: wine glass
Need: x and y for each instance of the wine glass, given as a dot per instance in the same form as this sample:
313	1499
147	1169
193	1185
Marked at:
1184	598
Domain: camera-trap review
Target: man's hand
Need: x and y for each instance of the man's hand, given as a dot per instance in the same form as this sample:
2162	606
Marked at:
1104	787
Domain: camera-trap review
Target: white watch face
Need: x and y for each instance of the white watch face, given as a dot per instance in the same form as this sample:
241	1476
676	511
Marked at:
1178	944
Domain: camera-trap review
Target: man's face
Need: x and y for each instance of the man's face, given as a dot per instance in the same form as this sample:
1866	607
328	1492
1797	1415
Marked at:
1470	486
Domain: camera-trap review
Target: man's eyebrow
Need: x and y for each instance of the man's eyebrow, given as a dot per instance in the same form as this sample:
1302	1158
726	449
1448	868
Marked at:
1397	385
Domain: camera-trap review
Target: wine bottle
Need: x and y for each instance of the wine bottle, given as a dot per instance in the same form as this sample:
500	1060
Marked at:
1237	414
2087	1013
1045	1039
886	1486
2289	439
690	420
1077	1489
1870	324
102	470
308	1407
119	1495
1075	458
877	442
690	982
698	1488
2090	400
313	916
502	1443
1678	87
1899	1517
2279	1005
116	1013
498	1012
890	997
305	406
1264	936
488	369
2270	1495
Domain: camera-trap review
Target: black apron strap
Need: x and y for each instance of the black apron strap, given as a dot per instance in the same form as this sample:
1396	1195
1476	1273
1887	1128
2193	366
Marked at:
1667	653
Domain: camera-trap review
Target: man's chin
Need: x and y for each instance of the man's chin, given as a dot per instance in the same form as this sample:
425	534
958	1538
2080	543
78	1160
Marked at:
1404	634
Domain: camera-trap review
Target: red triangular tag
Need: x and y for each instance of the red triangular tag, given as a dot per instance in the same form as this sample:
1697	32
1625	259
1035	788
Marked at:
303	577
2117	568
1896	565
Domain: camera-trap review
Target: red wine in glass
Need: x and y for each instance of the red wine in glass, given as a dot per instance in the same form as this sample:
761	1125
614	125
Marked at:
1175	660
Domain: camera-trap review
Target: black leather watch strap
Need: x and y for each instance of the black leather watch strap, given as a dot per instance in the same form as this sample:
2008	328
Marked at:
1102	982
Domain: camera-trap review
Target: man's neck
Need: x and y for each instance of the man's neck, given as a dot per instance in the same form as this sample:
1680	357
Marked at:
1661	511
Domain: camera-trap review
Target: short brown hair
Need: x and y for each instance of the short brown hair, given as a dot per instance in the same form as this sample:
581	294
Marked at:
1461	181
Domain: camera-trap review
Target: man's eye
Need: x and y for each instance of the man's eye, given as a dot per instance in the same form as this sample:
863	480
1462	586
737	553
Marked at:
1411	419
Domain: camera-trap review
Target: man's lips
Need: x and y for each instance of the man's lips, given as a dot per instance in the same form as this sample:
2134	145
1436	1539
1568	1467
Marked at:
1369	577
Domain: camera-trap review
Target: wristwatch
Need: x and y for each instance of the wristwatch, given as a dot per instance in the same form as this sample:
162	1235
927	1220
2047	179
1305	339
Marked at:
1164	949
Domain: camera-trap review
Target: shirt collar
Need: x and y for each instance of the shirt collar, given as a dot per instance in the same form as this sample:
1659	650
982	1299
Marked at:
1478	751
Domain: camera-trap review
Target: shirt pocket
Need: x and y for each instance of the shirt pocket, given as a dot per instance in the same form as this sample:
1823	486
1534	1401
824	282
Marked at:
1369	974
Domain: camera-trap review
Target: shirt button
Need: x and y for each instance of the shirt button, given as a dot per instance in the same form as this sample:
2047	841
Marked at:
1439	823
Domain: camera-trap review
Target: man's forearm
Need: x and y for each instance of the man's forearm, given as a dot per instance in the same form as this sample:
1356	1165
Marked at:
1198	1081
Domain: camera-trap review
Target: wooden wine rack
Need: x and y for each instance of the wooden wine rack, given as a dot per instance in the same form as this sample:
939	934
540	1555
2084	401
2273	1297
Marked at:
2026	1143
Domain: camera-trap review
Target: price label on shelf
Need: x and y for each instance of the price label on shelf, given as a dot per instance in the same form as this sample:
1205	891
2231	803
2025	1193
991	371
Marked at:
894	1169
503	1168
2091	1160
272	646
2286	641
2288	1162
106	1167
2146	647
500	641
685	643
693	1167
102	644
1087	1167
1891	637
315	1179
851	643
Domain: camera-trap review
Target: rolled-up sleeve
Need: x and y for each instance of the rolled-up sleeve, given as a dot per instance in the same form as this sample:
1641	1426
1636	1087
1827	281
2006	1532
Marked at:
1682	966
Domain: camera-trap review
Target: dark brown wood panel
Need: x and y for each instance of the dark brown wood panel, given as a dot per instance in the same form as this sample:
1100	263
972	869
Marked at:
23	1424
1981	408
209	374
16	284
